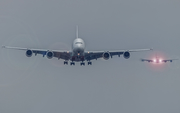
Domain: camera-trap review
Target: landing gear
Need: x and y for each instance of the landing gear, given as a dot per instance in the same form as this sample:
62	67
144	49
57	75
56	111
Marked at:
65	63
89	63
72	63
82	63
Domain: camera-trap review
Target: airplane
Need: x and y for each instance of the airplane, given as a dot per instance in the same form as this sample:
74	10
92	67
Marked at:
158	60
77	54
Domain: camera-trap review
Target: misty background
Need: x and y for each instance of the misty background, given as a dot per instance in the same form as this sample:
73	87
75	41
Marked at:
40	85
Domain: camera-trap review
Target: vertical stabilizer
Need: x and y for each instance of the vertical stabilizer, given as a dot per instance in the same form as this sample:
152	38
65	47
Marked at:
156	56
76	31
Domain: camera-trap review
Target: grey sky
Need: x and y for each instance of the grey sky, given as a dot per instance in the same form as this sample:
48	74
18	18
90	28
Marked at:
40	85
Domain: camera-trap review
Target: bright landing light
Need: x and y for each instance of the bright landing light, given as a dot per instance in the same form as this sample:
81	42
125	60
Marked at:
154	60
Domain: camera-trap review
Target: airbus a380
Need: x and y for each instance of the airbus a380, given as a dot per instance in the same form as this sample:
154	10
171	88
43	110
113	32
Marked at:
78	53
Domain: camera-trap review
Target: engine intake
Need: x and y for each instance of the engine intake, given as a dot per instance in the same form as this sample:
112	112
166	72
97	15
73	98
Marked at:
29	53
126	55
50	54
106	55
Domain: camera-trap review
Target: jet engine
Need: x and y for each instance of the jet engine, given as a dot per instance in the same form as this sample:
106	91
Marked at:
29	53
106	55
126	55
50	54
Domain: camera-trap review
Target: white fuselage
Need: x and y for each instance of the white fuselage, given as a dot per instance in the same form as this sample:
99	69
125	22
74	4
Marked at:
78	47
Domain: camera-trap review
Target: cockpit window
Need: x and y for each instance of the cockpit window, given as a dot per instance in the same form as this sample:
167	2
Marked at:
78	43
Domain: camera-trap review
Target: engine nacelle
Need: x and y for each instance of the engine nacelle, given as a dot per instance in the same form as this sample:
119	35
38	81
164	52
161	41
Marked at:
106	55
29	53
126	55
50	54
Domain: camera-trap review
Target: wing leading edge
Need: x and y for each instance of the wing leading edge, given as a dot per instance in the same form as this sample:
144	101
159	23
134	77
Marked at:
60	54
169	60
91	55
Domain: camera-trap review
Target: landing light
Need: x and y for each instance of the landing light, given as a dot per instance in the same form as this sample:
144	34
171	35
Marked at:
160	60
154	60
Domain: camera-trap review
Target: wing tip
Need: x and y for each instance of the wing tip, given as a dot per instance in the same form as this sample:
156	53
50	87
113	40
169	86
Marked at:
3	46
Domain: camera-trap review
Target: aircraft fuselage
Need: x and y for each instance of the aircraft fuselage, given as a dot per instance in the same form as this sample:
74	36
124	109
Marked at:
78	47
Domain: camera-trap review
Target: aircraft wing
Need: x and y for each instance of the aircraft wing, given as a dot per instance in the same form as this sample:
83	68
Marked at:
60	54
147	60
169	60
91	55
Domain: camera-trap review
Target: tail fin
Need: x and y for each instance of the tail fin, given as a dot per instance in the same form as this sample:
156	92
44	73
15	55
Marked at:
157	56
76	31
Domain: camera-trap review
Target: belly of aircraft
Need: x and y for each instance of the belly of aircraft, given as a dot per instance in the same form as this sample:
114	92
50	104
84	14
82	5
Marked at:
77	58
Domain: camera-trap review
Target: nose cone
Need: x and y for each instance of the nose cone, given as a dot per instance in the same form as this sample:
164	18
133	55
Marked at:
78	45
78	48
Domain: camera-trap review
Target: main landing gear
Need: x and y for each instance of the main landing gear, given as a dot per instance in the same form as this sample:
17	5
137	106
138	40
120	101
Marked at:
72	63
65	63
82	63
89	63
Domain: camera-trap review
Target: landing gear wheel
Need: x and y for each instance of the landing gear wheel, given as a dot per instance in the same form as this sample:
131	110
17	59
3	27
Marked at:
72	63
82	63
89	63
65	63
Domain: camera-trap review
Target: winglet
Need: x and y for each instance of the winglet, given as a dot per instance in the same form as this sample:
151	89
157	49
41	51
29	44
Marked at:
76	31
